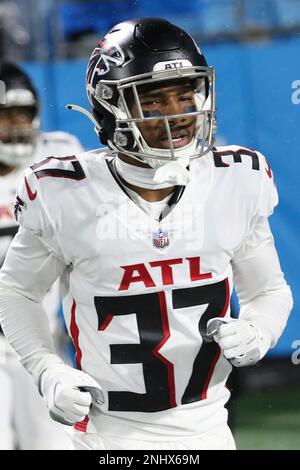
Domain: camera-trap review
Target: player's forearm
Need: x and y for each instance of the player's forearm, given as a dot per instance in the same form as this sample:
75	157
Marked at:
264	296
26	327
265	299
269	312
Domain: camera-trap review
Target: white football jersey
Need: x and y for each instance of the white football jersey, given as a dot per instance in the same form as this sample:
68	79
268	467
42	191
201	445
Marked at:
138	291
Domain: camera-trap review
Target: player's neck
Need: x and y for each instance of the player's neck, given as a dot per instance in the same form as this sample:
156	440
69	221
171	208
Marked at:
150	195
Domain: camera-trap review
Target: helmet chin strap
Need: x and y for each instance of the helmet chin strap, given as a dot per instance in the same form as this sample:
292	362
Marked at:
167	175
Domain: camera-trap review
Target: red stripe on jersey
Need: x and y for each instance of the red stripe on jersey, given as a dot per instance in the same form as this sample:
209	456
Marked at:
212	368
82	425
223	313
75	335
166	331
268	171
106	322
31	195
211	371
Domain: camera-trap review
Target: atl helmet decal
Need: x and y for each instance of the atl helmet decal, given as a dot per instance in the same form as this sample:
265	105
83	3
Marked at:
102	58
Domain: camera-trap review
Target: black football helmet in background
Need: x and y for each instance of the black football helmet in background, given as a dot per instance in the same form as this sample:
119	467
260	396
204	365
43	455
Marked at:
140	53
17	142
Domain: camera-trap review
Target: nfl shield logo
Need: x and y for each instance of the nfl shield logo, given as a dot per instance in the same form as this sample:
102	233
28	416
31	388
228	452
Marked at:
160	239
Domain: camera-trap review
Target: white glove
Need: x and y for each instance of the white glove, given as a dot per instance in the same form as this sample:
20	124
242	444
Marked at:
69	393
240	341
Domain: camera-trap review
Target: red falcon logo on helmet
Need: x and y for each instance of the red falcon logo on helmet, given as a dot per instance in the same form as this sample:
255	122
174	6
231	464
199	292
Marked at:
102	58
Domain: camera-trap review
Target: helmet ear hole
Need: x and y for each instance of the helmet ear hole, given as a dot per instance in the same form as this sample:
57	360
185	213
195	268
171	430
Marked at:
129	143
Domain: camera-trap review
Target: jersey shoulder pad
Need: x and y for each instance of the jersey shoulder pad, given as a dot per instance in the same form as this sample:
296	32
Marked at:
68	167
32	211
41	183
252	170
230	155
268	199
94	160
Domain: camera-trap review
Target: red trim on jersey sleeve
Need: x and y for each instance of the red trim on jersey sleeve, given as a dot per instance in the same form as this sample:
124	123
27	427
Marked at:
212	369
31	195
269	171
166	331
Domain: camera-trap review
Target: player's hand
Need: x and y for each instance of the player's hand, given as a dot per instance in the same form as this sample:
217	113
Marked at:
69	393
238	339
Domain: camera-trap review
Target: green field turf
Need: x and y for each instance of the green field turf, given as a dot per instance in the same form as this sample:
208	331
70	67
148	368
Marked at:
268	420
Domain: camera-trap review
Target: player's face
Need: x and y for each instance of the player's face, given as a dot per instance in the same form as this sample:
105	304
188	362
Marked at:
15	124
167	100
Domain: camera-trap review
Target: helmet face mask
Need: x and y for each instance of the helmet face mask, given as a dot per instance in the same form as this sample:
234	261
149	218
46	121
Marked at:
19	117
113	91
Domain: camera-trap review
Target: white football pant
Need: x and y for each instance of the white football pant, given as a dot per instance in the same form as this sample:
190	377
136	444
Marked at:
219	439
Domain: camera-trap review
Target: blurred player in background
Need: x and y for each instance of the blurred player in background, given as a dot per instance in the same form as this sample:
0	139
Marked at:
149	235
25	421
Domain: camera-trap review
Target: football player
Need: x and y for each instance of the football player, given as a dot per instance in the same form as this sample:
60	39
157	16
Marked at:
149	236
24	419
